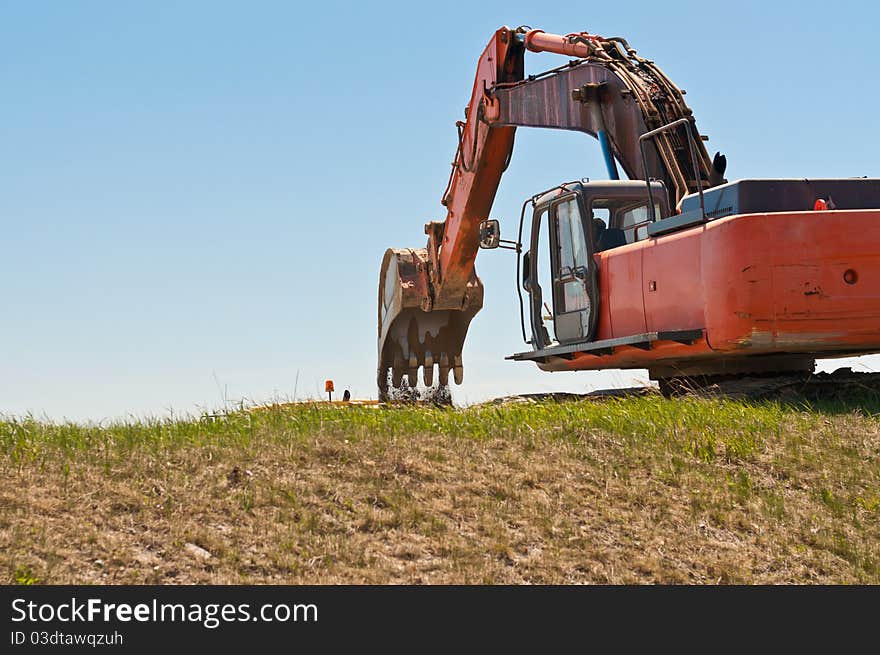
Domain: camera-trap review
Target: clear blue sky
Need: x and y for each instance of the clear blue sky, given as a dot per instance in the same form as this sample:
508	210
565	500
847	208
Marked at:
195	196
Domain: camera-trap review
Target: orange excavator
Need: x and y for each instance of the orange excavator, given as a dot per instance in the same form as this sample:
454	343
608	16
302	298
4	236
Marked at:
674	269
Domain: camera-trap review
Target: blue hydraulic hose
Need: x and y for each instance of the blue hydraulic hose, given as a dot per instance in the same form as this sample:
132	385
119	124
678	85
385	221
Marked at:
610	164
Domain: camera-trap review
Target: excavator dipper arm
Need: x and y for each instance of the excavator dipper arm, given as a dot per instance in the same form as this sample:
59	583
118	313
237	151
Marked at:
428	296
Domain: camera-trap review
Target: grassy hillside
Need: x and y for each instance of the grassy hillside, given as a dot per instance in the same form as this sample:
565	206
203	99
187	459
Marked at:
638	489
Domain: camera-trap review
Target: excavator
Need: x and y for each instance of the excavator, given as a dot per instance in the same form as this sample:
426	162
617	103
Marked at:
672	269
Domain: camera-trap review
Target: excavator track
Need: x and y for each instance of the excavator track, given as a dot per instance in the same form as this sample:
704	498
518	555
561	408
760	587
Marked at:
843	385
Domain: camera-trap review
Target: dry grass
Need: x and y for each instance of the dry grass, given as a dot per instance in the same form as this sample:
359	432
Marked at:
623	491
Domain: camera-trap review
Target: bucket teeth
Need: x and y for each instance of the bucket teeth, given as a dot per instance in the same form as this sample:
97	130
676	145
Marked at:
428	370
444	369
457	369
413	371
412	321
397	372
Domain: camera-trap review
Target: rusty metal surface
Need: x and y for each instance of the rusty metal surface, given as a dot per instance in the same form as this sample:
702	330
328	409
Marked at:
480	159
637	98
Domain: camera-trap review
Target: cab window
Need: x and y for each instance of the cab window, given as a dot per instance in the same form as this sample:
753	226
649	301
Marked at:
621	221
634	219
571	275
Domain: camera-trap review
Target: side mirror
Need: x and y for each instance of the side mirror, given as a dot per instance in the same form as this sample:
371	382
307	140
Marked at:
490	234
527	271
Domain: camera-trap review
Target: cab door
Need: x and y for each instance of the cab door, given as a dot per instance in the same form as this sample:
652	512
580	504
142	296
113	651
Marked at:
575	291
538	276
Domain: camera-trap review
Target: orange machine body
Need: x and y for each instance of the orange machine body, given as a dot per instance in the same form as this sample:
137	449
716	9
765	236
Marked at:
788	283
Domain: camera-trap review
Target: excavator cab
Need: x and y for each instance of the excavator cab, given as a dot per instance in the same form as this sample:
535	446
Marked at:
571	226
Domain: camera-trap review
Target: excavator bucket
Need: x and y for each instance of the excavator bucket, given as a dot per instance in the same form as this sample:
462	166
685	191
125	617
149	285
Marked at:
411	334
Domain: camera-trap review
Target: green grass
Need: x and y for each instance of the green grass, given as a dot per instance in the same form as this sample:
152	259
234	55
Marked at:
699	428
625	489
24	576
